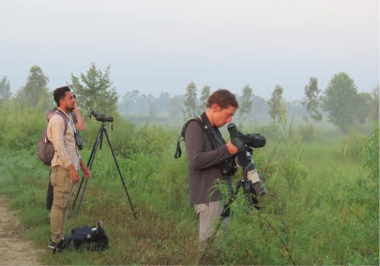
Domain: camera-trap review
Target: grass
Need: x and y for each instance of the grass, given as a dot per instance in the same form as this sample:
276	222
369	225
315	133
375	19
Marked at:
321	206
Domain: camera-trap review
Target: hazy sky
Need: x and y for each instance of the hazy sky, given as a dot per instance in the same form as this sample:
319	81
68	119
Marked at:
161	46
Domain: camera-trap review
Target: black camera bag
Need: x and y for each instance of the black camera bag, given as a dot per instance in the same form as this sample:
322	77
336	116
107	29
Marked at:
91	238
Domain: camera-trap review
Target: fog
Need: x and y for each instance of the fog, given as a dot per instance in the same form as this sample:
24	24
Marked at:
161	46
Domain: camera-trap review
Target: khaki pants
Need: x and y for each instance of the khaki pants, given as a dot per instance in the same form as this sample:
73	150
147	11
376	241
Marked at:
60	180
209	215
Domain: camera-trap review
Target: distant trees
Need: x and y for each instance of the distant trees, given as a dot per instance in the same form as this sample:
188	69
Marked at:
203	99
175	105
135	103
276	109
245	104
375	96
340	101
35	91
94	92
191	103
130	101
162	103
364	107
311	100
5	90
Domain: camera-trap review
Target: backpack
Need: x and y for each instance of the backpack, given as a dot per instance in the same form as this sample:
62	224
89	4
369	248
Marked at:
45	149
91	238
228	167
178	152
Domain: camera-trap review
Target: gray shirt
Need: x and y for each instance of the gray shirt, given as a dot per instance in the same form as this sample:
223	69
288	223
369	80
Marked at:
203	163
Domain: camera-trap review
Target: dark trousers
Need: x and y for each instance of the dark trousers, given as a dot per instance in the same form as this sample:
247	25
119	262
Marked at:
50	195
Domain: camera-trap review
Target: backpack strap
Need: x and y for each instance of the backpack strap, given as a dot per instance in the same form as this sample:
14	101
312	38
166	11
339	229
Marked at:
206	129
60	113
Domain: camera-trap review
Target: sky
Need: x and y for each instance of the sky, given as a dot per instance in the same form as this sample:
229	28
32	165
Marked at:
157	46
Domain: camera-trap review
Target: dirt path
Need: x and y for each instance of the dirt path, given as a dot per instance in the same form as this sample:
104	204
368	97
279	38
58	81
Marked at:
13	249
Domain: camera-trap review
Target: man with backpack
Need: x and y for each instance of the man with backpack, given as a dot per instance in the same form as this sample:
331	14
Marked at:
65	163
205	148
79	124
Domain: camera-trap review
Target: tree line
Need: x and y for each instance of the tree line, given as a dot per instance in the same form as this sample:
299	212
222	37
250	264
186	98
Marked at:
340	103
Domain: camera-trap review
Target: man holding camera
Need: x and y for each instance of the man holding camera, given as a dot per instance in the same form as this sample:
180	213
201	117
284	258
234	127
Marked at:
205	149
65	163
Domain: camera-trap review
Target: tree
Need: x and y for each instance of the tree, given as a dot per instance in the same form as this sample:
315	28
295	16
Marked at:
364	107
260	108
276	109
151	108
5	90
130	101
95	92
375	96
175	106
35	92
162	103
311	100
190	102
246	104
203	99
339	100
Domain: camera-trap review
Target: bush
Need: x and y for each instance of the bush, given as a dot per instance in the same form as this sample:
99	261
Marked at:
309	133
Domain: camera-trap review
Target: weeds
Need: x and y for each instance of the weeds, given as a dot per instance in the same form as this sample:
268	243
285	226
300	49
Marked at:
321	206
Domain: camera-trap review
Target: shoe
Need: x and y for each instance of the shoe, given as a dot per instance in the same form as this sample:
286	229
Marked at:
52	245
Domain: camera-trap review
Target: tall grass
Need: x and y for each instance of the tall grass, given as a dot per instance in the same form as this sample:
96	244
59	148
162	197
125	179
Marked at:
321	206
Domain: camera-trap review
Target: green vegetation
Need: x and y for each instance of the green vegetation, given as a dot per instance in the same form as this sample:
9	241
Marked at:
94	93
191	102
341	100
277	109
311	101
245	105
321	207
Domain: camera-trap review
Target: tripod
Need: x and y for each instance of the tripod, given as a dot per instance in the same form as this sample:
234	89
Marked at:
251	193
99	140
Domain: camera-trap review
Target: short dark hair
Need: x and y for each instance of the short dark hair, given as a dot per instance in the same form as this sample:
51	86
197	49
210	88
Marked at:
223	98
59	93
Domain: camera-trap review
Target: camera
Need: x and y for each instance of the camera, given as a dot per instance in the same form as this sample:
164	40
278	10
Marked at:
78	140
101	118
252	140
243	158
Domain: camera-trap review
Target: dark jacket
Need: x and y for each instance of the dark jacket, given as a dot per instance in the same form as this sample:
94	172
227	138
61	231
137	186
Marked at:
203	163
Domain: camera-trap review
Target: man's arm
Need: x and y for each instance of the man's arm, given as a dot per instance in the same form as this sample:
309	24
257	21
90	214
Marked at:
86	171
197	157
80	122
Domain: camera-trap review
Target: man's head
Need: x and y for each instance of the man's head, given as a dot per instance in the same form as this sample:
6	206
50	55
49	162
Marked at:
64	99
221	107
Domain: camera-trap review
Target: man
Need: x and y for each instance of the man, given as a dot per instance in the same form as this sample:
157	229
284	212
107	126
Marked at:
65	163
204	154
79	124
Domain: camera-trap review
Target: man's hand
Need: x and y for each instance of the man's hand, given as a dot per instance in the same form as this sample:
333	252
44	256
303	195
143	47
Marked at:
74	176
86	171
75	108
231	148
238	144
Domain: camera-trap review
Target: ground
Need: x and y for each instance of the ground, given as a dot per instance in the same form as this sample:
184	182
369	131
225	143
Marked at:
14	250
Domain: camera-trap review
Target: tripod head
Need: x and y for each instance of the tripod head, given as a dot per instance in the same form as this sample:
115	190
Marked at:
101	118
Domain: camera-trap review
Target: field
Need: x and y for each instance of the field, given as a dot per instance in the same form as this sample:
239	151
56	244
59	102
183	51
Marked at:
322	205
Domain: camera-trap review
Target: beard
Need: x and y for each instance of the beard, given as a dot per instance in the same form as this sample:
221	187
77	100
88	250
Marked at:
71	109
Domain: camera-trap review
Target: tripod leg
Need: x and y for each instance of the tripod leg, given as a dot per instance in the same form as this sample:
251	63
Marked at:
121	177
89	164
